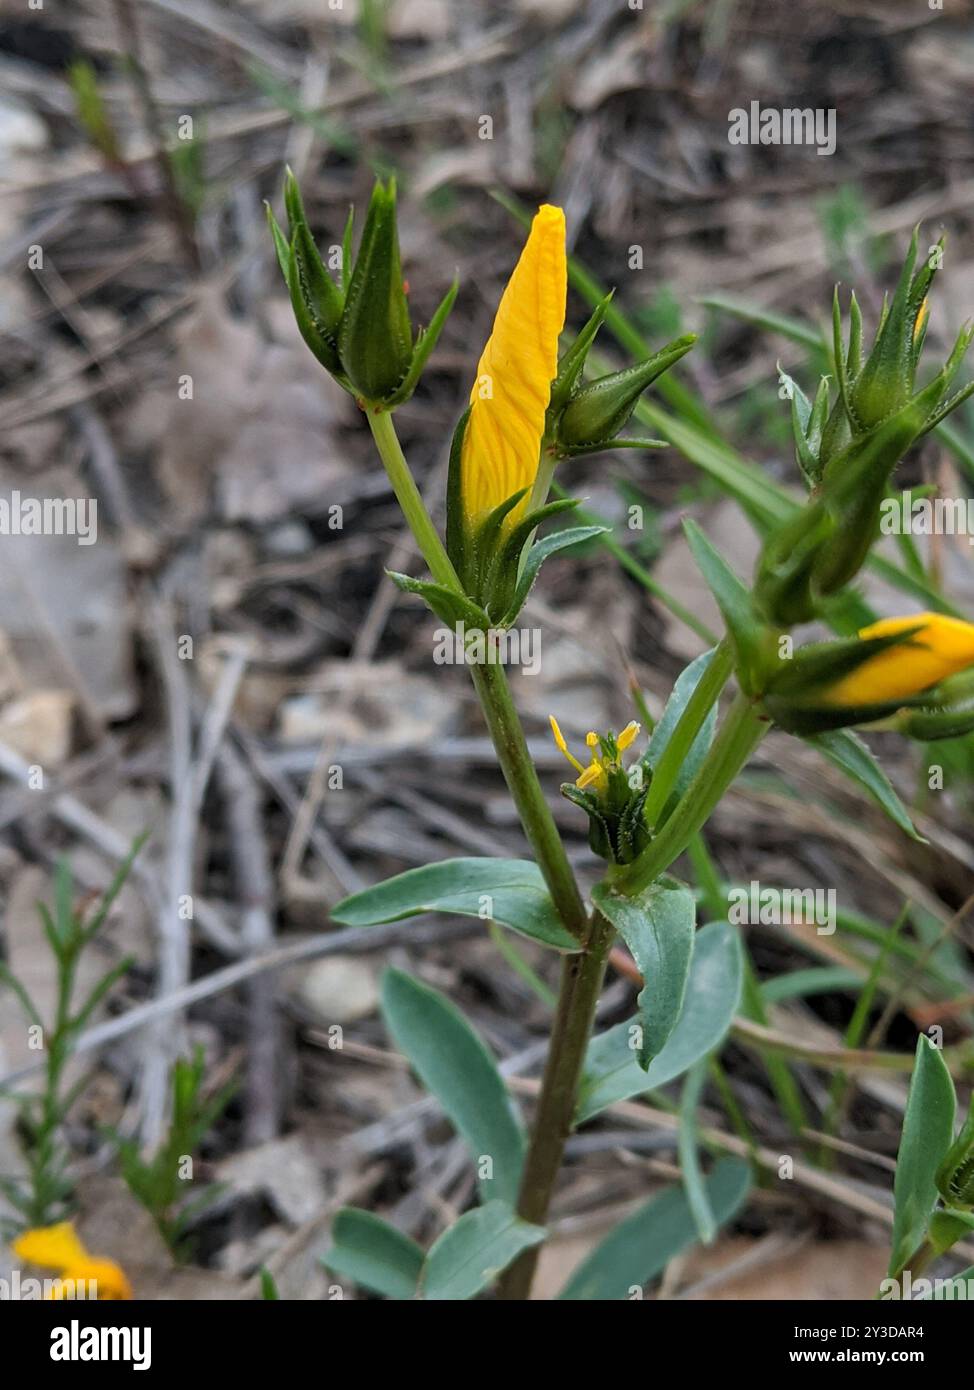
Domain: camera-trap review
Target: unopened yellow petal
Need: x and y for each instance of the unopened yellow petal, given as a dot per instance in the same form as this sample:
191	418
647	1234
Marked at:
51	1247
502	440
940	648
921	318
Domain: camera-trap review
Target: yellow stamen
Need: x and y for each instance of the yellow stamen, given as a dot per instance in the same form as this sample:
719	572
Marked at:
593	773
939	648
628	734
559	738
502	440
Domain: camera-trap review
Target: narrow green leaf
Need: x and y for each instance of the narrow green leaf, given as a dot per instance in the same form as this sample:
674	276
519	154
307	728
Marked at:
611	1072
456	1067
658	928
683	687
846	751
928	1128
474	1250
374	1254
511	892
642	1246
733	600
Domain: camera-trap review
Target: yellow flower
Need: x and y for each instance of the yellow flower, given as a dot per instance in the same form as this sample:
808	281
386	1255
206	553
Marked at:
597	773
59	1248
939	648
502	441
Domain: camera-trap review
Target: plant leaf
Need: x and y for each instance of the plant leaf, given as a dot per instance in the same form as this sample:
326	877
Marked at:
642	1245
475	1249
846	751
658	928
539	552
683	687
713	993
511	892
733	600
928	1128
456	1067
374	1254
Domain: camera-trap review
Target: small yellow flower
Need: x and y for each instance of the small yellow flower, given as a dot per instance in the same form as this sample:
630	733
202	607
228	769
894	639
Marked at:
596	774
59	1248
939	648
502	441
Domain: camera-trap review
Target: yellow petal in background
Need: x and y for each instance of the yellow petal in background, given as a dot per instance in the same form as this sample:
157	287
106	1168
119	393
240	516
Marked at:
940	648
50	1247
510	396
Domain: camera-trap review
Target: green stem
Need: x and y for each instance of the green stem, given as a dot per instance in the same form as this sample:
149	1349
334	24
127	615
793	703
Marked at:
494	693
581	983
582	972
740	733
408	496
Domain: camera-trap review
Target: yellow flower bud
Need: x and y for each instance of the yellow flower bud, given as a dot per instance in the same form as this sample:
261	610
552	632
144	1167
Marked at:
502	439
939	648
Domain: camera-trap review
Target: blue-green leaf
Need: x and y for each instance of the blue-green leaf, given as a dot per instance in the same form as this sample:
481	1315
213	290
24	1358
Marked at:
474	1250
611	1072
455	1066
641	1246
928	1128
509	891
658	928
374	1254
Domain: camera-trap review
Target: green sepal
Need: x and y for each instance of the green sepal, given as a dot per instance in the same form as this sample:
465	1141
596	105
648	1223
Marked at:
500	569
747	632
325	300
579	450
426	341
783	589
375	339
633	834
571	364
485	543
598	411
955	1176
539	552
280	241
886	380
457	540
599	834
347	250
948	1227
453	608
313	330
854	484
929	724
